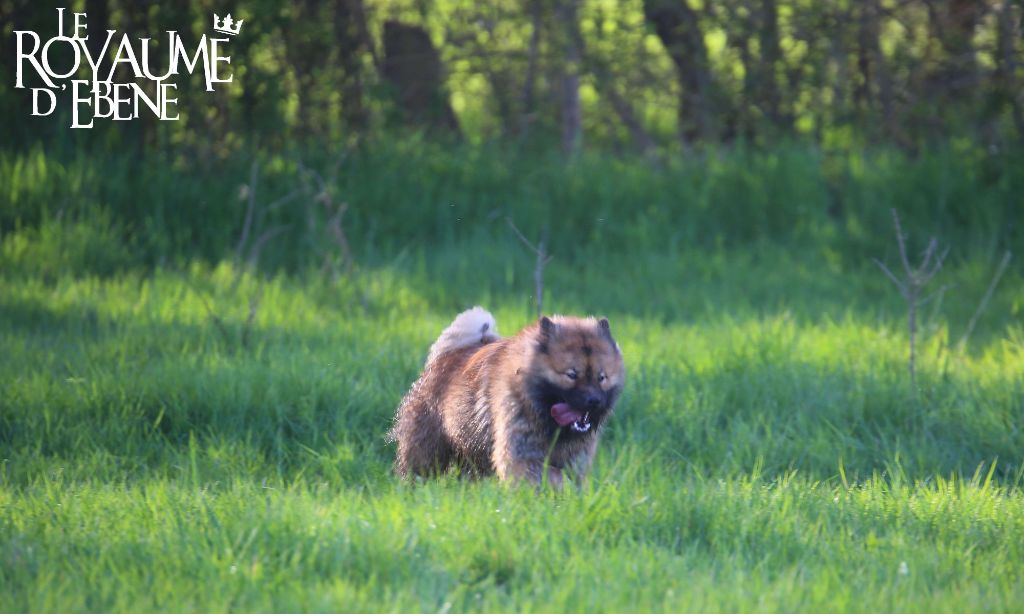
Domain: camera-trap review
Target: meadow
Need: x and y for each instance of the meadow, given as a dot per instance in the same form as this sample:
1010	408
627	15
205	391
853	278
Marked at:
185	430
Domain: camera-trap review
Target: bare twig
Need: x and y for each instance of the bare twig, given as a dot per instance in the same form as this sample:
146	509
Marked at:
250	210
221	326
337	232
284	200
1005	262
938	293
913	282
254	306
538	271
321	193
247	251
890	275
335	229
261	242
217	321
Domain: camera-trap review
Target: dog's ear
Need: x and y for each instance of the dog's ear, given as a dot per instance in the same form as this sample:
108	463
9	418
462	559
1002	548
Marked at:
606	330
547	327
545	333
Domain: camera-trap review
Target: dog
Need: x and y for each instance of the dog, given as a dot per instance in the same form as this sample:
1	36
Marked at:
527	407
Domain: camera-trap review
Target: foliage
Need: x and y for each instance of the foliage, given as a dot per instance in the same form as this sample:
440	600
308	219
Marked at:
643	74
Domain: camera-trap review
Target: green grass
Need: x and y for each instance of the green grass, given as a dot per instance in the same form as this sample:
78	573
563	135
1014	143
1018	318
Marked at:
769	452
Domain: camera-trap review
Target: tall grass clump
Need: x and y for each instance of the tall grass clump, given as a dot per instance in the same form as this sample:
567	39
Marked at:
418	193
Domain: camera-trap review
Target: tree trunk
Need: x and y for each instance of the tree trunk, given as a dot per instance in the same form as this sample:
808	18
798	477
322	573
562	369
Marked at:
572	114
877	85
678	27
641	138
530	81
739	121
952	24
771	58
499	77
412	67
962	17
98	12
134	21
838	54
302	49
1006	87
353	44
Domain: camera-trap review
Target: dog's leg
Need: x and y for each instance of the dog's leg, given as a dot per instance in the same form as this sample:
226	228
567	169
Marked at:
423	447
532	471
579	466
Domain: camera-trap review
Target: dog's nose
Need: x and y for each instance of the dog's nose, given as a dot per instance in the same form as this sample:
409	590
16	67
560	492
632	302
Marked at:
593	401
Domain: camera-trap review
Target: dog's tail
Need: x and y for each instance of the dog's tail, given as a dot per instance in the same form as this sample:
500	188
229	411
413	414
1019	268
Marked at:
470	327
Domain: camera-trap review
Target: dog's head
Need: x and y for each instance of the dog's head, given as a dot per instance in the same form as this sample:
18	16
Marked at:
576	372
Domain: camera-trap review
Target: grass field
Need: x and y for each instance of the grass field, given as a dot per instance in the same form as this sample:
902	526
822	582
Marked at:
168	442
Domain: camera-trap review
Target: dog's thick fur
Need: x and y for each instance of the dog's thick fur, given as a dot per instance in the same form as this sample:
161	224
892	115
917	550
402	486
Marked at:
485	403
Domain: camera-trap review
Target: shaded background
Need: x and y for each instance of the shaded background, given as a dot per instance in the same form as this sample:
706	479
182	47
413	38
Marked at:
655	75
612	122
658	75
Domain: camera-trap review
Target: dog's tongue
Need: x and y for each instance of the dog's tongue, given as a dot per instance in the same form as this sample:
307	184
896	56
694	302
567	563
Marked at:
564	415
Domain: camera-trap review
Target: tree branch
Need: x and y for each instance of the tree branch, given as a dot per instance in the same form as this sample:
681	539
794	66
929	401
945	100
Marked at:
538	270
915	280
984	300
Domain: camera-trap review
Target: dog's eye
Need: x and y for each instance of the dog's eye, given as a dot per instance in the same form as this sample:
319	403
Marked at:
601	376
571	373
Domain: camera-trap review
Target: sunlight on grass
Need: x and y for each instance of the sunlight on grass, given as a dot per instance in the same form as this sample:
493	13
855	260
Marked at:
768	455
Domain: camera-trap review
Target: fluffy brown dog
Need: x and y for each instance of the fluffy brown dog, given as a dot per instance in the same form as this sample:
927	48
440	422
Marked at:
514	405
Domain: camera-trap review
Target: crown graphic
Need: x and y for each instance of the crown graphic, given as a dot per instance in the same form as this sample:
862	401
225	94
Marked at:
224	25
